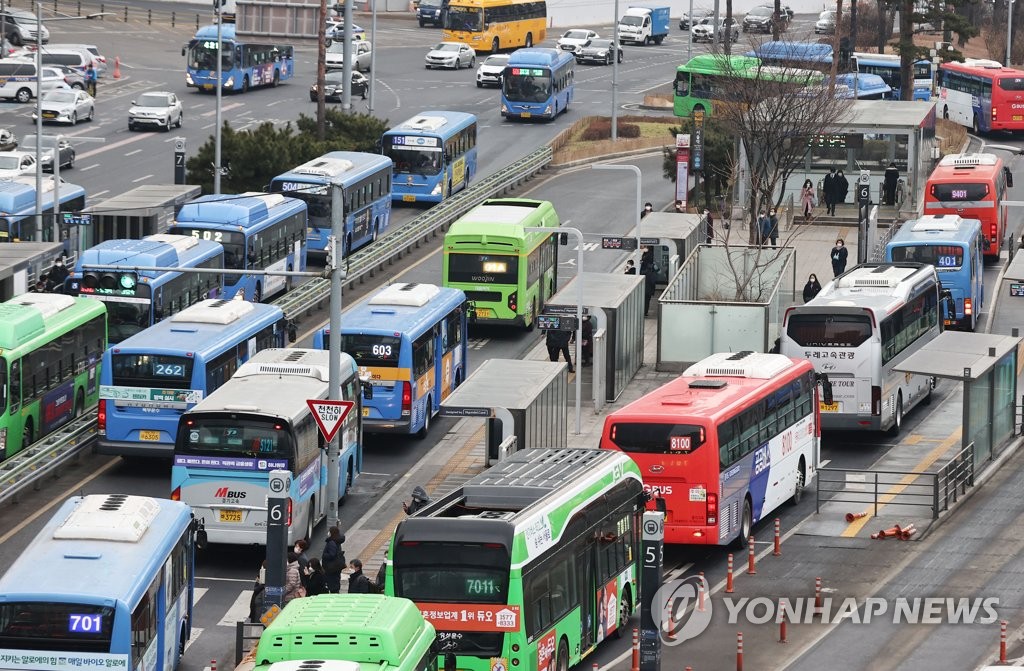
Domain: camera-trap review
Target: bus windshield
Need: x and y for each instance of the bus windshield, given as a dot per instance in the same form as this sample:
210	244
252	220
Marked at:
489	268
236	436
529	85
943	257
125	317
651	438
42	625
150	370
464	18
829	330
452	572
202	55
413	160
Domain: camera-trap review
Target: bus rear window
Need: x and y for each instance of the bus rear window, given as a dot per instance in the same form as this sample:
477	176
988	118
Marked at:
483	268
233	435
652	438
1012	83
959	191
829	330
369	350
452	572
943	257
147	370
40	625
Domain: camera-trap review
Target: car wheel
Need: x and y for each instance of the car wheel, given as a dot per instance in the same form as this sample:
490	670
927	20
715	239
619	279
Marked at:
422	24
529	40
495	45
479	85
180	119
74	118
131	126
245	84
92	113
71	161
23	95
608	59
77	86
472	62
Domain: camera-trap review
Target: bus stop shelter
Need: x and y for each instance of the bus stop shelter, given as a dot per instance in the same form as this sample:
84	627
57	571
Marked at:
22	263
671	236
987	366
145	210
523	402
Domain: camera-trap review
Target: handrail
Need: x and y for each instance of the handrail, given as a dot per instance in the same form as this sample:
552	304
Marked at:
45	456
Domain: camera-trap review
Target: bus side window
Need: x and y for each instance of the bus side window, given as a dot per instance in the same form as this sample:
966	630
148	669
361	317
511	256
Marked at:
15	386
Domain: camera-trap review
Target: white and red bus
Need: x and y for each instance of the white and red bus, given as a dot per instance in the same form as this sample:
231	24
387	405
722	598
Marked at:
982	95
723	445
974	187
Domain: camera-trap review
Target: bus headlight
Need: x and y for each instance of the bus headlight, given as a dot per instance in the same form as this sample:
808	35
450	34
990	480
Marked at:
230	83
504	108
436	190
547	110
188	80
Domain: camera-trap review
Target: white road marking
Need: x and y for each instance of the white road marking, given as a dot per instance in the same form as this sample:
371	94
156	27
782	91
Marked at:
89	167
196	633
141	179
132	153
238	611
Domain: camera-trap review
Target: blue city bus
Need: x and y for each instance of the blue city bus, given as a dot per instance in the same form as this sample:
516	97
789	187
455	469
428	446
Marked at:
259	231
18	210
887	66
259	421
955	247
537	83
108	583
136	299
434	155
804	55
365	181
149	380
410	340
245	64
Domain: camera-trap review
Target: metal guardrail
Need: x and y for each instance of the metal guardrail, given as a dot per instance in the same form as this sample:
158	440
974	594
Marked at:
28	467
119	11
955	478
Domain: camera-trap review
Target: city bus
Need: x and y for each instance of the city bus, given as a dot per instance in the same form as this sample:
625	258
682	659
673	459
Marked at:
434	154
256	422
709	77
887	66
744	441
538	83
493	25
18	210
245	64
953	245
984	96
107	583
541	552
507	272
857	331
973	186
50	351
373	631
786	53
259	231
411	340
136	299
365	181
150	379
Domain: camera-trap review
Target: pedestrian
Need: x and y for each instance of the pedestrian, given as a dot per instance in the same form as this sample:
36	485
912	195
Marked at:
647	259
558	343
828	191
764	226
842	189
358	583
40	287
316	581
838	255
648	208
293	588
258	587
709	227
587	346
58	274
420	498
892	177
630	267
333	559
773	227
812	288
808	201
650	283
90	79
301	546
382	576
680	208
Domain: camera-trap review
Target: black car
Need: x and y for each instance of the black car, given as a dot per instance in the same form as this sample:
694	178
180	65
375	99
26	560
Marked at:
598	50
333	86
430	11
759	19
49	143
686	21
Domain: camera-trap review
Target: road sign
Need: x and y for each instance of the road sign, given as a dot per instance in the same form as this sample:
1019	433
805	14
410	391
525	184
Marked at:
329	415
618	243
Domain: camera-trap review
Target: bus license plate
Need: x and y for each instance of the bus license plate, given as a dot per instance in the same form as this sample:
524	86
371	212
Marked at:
231	516
1018	117
149	435
525	115
829	407
207	87
409	198
366	412
484	312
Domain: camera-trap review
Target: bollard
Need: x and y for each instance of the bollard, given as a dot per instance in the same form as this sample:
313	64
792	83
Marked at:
750	556
595	666
671	622
126	13
213	665
117	67
782	621
850	517
728	575
102	9
1002	641
197	22
79	7
778	538
172	19
700	593
636	650
739	651
817	596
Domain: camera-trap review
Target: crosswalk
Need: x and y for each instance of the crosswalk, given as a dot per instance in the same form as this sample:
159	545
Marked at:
238	610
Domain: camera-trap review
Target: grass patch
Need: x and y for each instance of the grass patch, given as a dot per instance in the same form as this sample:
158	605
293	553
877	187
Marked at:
591	136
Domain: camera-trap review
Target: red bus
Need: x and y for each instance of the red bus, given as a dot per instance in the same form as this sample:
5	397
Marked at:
974	187
723	445
982	95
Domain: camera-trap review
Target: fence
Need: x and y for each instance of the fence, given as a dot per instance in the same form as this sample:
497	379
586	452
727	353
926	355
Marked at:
124	12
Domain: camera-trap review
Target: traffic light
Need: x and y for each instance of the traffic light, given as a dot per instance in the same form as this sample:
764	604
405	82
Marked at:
110	282
217	4
563	239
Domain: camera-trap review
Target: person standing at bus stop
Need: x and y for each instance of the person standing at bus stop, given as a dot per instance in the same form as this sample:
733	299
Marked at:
333	559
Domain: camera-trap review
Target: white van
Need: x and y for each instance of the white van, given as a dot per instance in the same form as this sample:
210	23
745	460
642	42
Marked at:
98	59
20	27
18	79
73	57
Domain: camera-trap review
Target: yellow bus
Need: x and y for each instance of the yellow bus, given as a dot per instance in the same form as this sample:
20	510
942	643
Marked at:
492	25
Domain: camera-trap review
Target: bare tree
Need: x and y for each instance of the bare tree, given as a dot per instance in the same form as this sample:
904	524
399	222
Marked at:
321	68
835	48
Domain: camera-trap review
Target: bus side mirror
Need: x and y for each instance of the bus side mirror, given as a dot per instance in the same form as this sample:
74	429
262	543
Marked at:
1009	176
367	390
199	527
563	239
826	388
183	50
293	332
948	303
449	662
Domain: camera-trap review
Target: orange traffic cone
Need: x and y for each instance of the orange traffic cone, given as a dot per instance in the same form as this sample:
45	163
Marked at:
855	516
117	67
887	533
905	534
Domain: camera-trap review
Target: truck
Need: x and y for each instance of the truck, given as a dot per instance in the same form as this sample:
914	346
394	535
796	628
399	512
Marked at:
643	24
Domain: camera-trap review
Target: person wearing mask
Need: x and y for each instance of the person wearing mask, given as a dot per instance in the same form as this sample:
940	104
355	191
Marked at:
764	226
808	201
773	227
333	559
648	208
358	583
420	498
838	255
293	588
680	208
828	190
58	274
316	581
892	177
842	190
91	77
812	288
630	267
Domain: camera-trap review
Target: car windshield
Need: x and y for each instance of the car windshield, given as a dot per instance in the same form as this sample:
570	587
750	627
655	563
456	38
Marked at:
153	100
827	15
496	61
60	97
10	162
335	77
446	46
762	11
631	20
575	34
464	18
527	85
336	48
599	44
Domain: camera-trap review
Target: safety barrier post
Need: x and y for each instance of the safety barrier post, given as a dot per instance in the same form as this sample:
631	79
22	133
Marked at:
782	621
636	650
750	556
817	596
671	621
739	651
778	538
595	666
1002	641
700	593
213	665
728	575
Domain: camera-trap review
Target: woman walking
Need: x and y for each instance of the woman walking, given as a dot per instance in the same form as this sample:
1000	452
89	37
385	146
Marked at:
808	201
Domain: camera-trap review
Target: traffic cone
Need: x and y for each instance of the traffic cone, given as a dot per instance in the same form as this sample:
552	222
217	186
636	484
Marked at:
887	533
855	516
905	534
117	67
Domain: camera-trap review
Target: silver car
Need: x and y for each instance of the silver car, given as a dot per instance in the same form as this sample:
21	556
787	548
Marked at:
14	163
66	106
155	109
49	145
452	55
826	23
362	50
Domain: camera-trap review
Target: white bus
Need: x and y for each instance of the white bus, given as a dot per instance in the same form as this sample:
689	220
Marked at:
861	326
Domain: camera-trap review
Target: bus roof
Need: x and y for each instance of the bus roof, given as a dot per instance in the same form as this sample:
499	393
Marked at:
203	329
246	210
983	68
792	52
227	32
161	249
880	287
433	122
370	629
344	166
504	217
18	195
491	3
714	64
539	56
962	164
866	84
80	554
883	59
29	316
937	229
402	308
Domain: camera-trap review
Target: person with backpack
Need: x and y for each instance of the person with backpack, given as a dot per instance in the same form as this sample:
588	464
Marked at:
333	559
358	583
316	579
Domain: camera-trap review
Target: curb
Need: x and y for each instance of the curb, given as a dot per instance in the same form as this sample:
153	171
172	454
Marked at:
558	167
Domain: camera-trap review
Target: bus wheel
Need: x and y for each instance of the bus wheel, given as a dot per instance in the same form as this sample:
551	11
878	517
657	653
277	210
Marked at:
79	404
975	126
257	294
897	423
27	435
425	429
563	656
746	524
533	319
945	112
625	608
277	79
310	519
245	84
529	40
494	46
801	479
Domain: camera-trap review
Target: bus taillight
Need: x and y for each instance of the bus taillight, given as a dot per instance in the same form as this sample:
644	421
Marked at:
176	494
289	523
876	401
512	304
967	307
101	416
712	510
406	398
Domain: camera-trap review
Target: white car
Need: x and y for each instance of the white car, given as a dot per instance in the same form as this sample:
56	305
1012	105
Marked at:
155	109
826	23
14	163
573	39
66	106
452	55
334	58
336	31
705	31
490	71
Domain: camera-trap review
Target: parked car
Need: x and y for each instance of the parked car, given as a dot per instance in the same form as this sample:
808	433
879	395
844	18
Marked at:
334	86
759	19
705	31
18	79
826	24
7	140
14	163
99	60
361	55
429	11
20	27
72	77
66	106
155	109
573	39
491	70
49	143
598	50
336	31
451	55
686	21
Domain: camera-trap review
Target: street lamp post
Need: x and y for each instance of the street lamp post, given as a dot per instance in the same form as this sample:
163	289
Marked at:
1009	30
639	206
220	93
373	54
56	185
615	74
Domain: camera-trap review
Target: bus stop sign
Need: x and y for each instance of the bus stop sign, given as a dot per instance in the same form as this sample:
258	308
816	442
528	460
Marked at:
329	415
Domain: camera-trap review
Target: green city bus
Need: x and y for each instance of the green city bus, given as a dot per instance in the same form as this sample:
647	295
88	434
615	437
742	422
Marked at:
50	351
377	632
506	272
710	77
528	565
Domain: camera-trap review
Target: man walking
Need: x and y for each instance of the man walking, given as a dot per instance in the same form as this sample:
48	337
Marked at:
828	189
558	343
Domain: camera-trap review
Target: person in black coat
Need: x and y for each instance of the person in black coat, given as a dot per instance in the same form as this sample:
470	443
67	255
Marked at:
648	208
709	227
842	190
558	343
892	176
812	288
650	284
316	579
630	267
358	583
333	559
587	345
838	256
828	189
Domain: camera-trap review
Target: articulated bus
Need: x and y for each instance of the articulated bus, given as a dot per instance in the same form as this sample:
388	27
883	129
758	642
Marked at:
707	78
411	340
149	380
244	65
862	326
370	631
953	245
743	440
984	96
259	231
493	25
537	84
50	351
365	181
107	583
533	562
434	154
137	299
507	272
256	422
973	186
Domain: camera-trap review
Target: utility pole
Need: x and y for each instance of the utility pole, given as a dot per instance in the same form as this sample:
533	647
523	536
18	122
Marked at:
334	249
346	67
220	93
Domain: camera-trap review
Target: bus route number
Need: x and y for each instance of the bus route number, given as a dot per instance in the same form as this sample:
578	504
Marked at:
85	624
382	351
216	236
787	443
680	444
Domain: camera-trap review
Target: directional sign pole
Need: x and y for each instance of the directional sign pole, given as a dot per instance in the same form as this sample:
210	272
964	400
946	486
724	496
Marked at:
279	482
336	245
329	415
